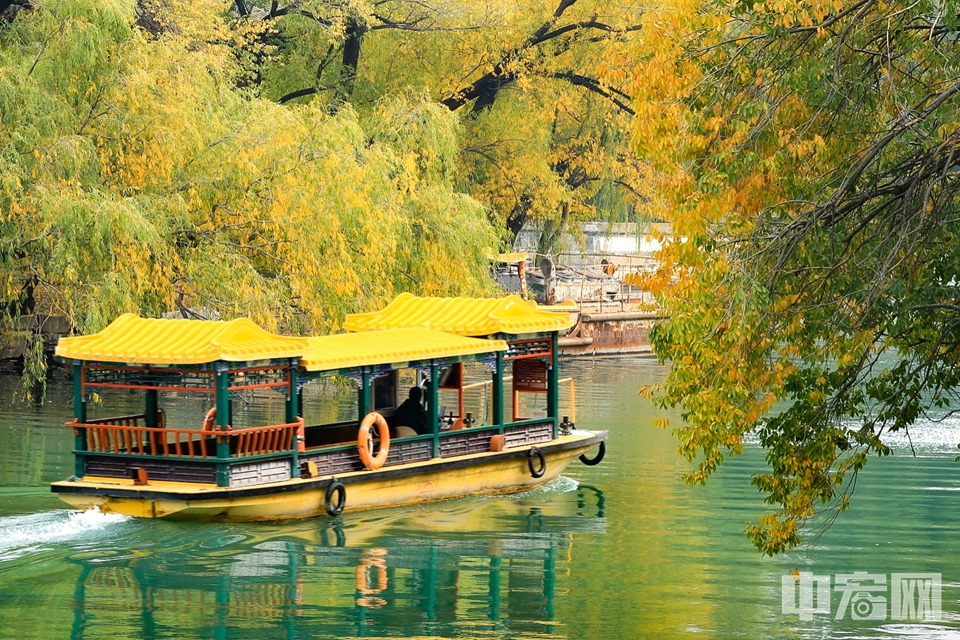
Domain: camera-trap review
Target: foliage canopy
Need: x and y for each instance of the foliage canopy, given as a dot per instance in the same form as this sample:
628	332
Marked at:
138	174
543	137
808	151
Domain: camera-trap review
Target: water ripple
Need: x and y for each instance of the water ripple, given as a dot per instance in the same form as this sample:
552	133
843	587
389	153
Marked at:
20	535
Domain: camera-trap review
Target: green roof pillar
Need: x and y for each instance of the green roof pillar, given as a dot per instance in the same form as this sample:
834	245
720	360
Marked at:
497	394
293	410
553	382
433	408
293	389
365	395
222	398
80	413
152	407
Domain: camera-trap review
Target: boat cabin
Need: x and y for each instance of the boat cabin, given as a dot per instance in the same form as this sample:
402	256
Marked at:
530	362
167	359
211	461
436	362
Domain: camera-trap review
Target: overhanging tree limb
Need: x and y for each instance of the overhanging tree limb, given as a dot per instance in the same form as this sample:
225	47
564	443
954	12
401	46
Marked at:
592	84
504	72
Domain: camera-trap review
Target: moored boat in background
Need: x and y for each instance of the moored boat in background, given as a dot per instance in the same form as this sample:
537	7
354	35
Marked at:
594	274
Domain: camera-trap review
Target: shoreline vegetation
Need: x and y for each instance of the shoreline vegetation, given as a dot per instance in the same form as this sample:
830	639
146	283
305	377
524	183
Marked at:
153	159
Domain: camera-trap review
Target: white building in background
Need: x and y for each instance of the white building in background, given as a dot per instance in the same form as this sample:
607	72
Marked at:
599	265
597	240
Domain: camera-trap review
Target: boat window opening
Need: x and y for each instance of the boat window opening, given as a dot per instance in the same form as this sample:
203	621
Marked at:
332	410
326	435
530	378
444	425
448	407
531	405
256	409
385	391
330	401
466	388
407	378
478	393
452	377
104	404
451	397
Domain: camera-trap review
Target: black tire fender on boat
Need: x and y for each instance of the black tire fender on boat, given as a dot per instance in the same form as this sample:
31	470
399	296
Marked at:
541	468
335	487
592	462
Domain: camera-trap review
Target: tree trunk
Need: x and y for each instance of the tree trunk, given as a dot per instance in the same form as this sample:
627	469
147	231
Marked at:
351	57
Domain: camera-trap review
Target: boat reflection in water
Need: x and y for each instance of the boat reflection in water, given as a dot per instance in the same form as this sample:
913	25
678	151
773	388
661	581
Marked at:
474	566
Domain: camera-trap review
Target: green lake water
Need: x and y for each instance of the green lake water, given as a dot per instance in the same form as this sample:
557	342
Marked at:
621	550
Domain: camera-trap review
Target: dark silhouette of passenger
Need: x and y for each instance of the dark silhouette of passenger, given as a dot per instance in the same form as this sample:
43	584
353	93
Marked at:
410	413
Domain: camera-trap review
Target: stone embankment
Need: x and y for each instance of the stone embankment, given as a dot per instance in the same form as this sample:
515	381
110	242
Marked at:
15	343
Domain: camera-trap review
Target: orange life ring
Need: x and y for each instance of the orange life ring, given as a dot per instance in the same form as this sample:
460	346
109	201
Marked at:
365	441
210	419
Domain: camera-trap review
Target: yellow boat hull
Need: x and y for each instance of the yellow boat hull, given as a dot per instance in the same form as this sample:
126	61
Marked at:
438	479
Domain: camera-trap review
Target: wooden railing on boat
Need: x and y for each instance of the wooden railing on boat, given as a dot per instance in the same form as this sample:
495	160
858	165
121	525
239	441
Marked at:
257	441
125	435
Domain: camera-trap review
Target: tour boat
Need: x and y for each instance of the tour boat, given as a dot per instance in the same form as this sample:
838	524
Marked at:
209	469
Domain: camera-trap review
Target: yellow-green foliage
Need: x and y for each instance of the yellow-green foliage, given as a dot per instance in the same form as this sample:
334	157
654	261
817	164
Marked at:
136	176
543	149
806	151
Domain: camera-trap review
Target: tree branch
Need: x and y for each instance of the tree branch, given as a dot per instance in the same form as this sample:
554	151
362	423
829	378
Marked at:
293	95
593	85
486	87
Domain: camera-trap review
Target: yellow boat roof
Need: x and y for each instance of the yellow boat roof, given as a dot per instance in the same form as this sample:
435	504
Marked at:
349	350
131	339
465	316
518	256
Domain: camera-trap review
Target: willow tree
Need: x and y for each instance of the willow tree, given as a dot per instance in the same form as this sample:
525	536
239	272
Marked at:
808	155
544	138
136	176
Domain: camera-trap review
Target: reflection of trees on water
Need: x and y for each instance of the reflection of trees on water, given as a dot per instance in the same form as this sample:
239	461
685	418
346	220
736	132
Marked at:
343	578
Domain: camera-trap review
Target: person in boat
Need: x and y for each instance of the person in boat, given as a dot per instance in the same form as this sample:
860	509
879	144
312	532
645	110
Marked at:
410	413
